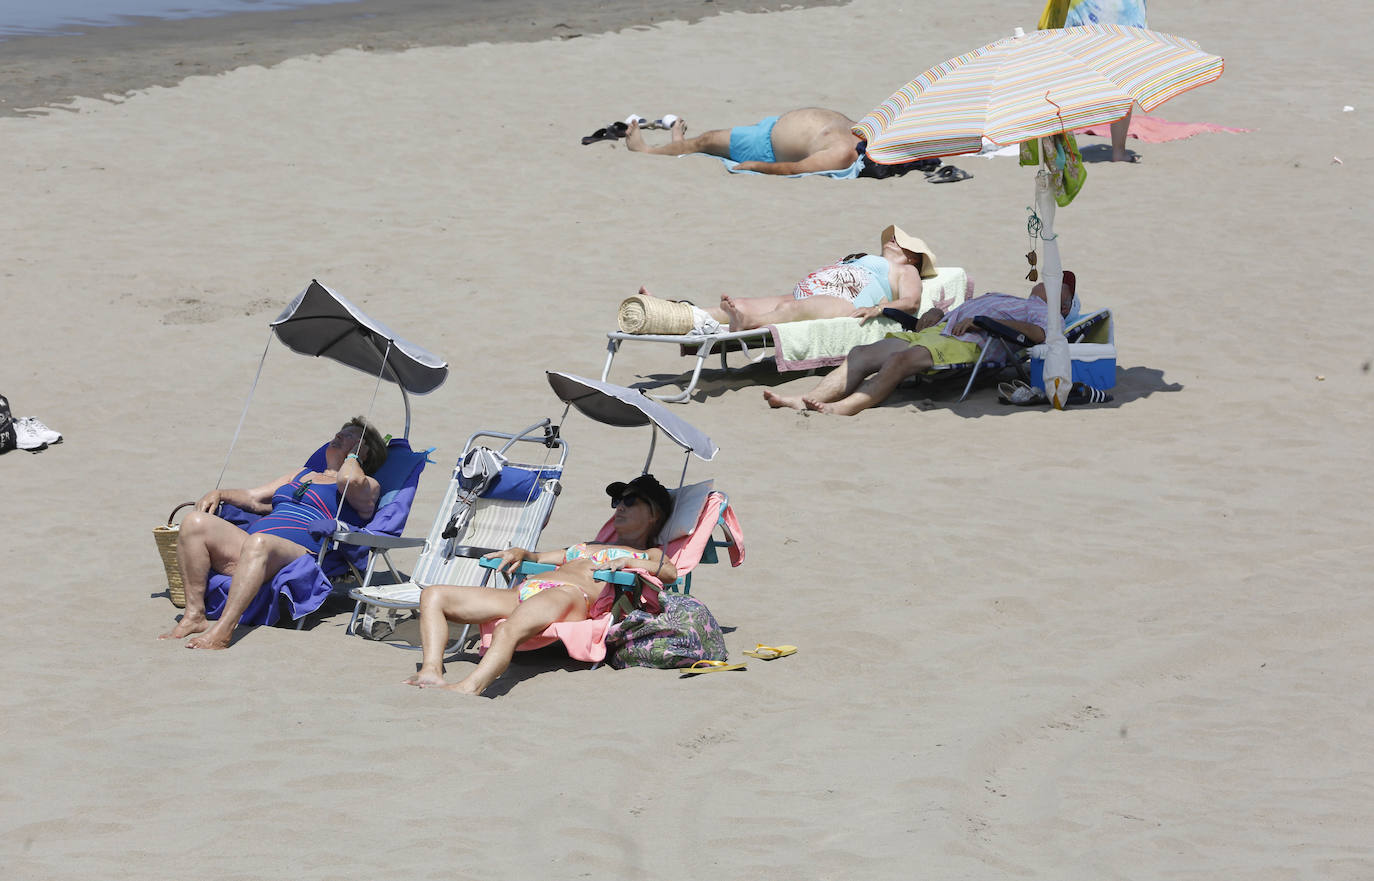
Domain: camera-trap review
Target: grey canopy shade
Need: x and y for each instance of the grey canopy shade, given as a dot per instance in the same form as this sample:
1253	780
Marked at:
626	407
322	323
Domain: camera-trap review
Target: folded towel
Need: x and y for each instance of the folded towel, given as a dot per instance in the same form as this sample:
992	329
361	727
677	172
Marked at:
806	345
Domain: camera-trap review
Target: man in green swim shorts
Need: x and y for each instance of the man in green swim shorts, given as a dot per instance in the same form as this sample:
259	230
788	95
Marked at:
870	373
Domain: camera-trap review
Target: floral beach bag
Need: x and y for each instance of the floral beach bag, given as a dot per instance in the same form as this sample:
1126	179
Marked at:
684	633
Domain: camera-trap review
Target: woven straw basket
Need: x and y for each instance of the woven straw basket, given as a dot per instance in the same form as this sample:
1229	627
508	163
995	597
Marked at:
166	538
641	314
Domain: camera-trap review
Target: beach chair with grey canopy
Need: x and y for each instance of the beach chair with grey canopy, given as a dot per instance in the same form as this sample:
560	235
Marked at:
696	507
689	536
321	323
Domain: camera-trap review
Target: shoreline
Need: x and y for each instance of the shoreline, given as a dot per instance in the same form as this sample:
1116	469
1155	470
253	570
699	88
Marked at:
40	72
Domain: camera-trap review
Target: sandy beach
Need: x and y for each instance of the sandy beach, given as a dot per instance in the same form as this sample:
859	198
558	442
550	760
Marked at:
1130	641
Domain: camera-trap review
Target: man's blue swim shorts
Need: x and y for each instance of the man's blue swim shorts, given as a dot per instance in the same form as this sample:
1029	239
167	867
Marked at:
753	143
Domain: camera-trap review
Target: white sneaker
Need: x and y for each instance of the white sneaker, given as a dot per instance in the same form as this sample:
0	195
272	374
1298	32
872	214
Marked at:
38	429
26	438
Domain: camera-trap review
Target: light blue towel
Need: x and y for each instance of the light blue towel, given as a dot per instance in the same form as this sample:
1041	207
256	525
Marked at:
841	174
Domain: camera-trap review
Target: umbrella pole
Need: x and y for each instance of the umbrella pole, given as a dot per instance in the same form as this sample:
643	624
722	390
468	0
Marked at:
1057	371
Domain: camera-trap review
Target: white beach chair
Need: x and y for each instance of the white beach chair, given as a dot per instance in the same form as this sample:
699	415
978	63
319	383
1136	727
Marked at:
949	287
512	512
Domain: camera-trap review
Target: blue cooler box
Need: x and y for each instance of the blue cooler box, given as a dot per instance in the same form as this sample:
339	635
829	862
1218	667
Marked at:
1094	365
1092	349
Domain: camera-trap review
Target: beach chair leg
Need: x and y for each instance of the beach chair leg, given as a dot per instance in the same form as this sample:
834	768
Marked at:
612	346
702	354
973	374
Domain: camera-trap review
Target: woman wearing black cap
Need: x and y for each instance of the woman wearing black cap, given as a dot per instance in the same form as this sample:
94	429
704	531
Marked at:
642	507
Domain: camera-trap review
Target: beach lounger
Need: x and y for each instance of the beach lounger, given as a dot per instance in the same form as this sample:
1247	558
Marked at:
797	345
305	583
1092	347
700	514
511	512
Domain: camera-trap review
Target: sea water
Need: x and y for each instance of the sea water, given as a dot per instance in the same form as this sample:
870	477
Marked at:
25	18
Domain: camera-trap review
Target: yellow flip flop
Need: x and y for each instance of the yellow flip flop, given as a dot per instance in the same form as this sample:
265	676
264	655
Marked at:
711	667
772	652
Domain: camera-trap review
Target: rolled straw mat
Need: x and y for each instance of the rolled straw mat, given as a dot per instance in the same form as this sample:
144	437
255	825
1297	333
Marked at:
641	314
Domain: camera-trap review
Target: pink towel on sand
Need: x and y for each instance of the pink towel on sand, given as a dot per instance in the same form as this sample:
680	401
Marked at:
586	640
1153	130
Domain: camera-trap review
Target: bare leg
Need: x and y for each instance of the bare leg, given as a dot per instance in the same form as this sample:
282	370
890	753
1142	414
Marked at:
716	142
845	379
748	313
529	619
204	541
876	390
443	603
1119	130
261	557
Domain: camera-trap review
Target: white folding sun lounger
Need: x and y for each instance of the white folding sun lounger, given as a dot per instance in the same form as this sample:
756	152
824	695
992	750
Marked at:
949	287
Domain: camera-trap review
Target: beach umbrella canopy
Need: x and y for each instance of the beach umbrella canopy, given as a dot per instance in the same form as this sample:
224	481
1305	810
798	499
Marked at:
626	407
324	324
1031	86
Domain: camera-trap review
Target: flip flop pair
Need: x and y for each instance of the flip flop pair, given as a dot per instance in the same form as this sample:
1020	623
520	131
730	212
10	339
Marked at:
772	652
612	132
711	667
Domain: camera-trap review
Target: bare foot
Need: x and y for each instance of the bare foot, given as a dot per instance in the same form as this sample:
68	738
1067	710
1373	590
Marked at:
737	318
678	130
634	139
211	640
188	625
425	679
776	400
1125	156
454	687
838	408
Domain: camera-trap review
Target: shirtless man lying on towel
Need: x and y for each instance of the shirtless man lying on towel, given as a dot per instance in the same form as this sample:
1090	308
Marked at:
799	141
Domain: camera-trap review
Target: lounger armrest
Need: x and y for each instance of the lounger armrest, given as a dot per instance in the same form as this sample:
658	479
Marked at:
905	319
998	329
611	576
371	540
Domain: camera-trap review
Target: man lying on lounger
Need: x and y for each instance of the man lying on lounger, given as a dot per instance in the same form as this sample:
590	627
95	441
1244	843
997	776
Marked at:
799	141
870	373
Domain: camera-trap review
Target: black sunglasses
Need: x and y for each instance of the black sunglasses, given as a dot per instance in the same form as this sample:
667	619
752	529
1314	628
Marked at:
628	499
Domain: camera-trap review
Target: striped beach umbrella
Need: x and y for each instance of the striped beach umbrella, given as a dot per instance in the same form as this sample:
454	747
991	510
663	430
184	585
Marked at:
1032	86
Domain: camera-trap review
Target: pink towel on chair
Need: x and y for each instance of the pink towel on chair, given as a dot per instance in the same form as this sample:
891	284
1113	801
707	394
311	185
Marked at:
1153	130
586	640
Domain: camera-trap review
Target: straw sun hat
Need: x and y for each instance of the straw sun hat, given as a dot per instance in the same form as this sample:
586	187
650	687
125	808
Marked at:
641	314
909	242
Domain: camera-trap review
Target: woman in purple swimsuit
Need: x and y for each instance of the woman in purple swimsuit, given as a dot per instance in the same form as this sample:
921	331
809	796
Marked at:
289	504
642	507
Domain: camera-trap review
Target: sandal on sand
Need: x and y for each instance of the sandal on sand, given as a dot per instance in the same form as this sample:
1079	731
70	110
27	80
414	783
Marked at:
635	117
711	667
666	122
947	175
772	652
601	134
1018	393
1081	393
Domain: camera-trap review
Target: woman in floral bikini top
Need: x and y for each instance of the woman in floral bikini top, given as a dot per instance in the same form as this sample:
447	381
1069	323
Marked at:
642	507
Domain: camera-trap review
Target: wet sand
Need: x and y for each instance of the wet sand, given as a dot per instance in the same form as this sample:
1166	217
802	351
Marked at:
115	60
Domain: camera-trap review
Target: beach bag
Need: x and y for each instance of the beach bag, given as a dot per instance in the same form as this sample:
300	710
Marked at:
481	467
684	633
8	439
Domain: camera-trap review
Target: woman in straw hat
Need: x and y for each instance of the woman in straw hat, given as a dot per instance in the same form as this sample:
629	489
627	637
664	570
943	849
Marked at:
859	286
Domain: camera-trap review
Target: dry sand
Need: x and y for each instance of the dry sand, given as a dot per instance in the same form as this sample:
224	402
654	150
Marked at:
1130	641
